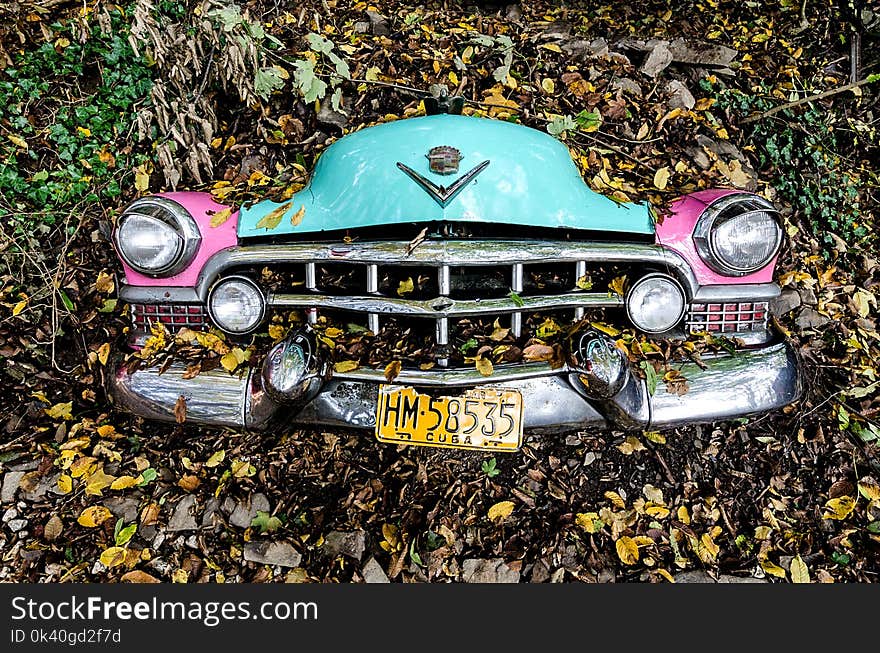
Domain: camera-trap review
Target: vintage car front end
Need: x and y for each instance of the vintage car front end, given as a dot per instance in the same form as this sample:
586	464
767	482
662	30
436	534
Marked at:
448	241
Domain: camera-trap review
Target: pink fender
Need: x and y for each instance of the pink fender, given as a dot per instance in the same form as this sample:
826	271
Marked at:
202	207
676	231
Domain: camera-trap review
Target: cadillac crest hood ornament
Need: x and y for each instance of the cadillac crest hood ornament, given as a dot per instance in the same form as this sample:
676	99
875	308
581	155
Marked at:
443	160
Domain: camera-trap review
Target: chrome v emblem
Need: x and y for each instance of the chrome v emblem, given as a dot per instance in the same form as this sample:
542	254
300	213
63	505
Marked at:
443	195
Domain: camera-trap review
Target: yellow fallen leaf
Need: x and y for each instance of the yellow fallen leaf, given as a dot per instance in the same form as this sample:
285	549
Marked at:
839	508
499	333
772	569
113	557
104	353
606	329
655	437
392	535
277	332
84	131
405	287
615	499
584	282
97	482
800	573
708	546
297	217
107	431
392	370
484	366
65	484
93	516
863	301
60	411
656	511
869	489
627	550
106	157
216	458
179	576
734	173
548	85
345	366
618	285
272	219
630	445
661	178
18	141
501	510
683	515
221	216
124	482
141	179
589	521
242	469
551	46
82	466
665	575
229	361
19	307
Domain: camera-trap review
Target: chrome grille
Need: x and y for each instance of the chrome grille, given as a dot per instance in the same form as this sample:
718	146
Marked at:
457	279
728	317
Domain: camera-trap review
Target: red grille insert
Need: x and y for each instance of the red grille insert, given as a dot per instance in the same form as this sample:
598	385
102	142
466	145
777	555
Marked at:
741	317
173	316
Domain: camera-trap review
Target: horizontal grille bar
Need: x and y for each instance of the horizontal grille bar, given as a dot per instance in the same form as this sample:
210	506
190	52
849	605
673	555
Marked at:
442	253
446	306
457	377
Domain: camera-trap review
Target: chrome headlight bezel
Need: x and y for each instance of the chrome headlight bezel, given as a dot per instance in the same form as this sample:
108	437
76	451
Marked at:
171	214
724	209
248	282
679	314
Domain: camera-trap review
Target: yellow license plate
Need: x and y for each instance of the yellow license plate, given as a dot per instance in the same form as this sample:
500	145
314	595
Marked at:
481	418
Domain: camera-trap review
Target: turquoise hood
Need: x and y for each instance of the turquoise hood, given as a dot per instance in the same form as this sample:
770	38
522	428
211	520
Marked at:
529	180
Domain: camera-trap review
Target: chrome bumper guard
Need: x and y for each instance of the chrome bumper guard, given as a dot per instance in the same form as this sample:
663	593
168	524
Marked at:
748	382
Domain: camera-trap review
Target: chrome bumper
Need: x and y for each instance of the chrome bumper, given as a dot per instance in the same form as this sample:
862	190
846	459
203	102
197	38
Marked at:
750	382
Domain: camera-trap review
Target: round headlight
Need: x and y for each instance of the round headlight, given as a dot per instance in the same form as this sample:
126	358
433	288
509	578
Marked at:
655	303
236	305
157	236
738	234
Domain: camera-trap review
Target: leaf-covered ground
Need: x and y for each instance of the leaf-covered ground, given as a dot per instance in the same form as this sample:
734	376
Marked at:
100	104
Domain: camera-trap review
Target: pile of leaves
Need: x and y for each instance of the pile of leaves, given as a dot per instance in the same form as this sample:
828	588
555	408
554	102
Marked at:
101	104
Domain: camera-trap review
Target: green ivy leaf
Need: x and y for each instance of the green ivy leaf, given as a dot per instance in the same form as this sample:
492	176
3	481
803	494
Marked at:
147	476
265	522
266	81
122	536
489	468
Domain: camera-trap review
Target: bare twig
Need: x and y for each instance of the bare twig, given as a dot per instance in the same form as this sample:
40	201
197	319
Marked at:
811	98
